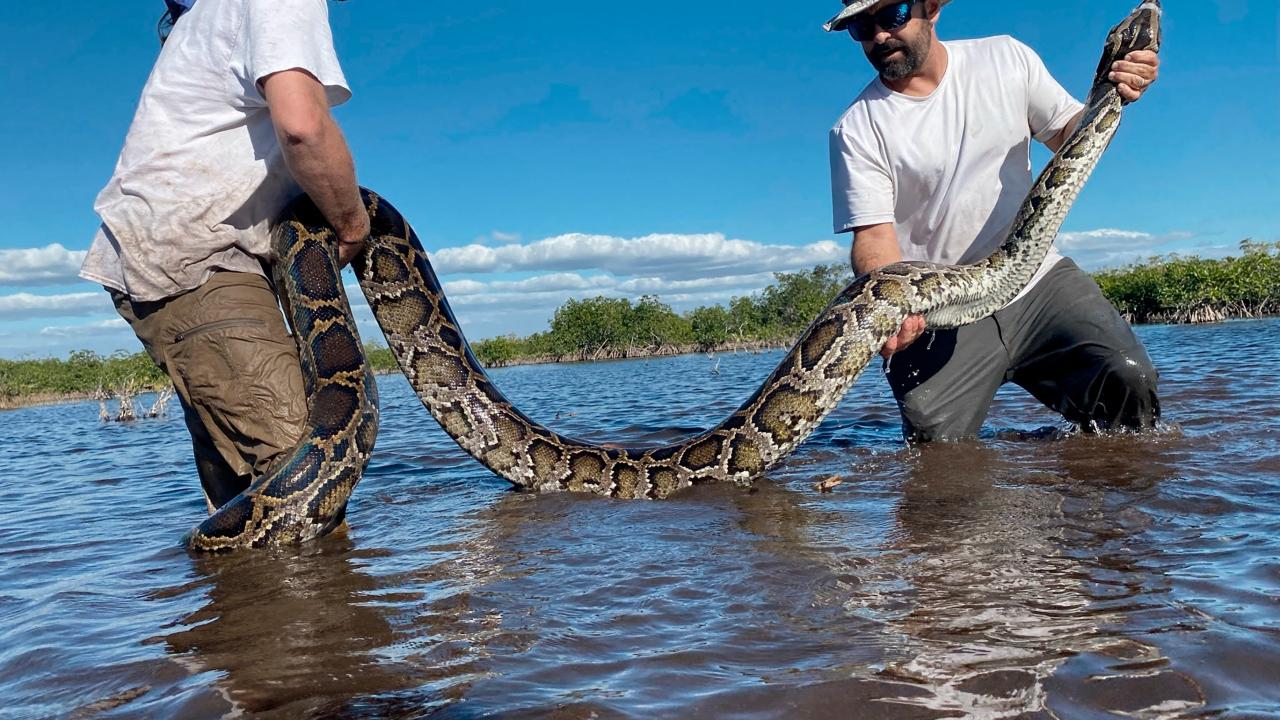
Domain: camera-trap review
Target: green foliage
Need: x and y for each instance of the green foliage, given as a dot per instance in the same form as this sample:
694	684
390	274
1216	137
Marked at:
496	352
711	325
602	327
653	324
587	327
787	307
83	372
380	357
1187	289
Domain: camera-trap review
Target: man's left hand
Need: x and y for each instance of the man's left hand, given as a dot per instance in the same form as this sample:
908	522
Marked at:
1135	74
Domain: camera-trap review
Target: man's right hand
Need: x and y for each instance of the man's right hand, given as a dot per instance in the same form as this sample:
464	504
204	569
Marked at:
912	328
349	249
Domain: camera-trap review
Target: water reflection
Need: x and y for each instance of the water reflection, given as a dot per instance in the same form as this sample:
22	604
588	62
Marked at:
1005	581
290	632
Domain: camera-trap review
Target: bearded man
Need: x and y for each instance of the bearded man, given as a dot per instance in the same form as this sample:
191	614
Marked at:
931	163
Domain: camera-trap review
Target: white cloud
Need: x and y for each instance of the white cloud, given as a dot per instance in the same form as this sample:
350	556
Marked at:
1102	238
49	265
1109	247
683	270
496	237
663	255
663	286
556	282
103	337
22	306
550	291
101	327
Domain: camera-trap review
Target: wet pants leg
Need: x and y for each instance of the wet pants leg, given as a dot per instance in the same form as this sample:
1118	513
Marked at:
1074	353
1062	341
235	369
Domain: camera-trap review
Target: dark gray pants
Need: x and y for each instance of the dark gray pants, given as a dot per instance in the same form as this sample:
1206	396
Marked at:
1063	342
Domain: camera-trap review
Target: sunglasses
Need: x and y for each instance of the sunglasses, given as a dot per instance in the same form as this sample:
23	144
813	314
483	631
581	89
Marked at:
862	27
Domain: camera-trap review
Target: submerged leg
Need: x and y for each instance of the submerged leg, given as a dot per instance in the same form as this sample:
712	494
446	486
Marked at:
944	381
1075	354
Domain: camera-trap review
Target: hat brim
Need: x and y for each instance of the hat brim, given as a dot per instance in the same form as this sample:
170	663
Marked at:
839	22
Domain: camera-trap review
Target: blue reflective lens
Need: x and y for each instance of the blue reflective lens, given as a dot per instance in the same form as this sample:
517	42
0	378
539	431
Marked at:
862	27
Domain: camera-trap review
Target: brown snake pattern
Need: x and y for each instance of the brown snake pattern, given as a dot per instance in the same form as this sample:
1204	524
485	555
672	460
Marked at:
305	495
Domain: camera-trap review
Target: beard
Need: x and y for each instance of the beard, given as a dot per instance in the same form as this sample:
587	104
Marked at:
893	65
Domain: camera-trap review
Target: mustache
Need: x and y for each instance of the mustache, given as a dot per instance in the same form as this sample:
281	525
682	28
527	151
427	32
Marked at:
880	52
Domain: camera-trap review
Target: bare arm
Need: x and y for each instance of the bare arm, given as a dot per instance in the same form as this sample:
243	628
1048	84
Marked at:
875	246
1055	143
317	154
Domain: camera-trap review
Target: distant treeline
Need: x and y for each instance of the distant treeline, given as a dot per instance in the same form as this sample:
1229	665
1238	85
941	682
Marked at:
603	328
1175	289
82	374
1163	289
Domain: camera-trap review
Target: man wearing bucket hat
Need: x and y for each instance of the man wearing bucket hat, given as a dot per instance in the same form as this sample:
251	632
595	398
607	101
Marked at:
931	163
233	122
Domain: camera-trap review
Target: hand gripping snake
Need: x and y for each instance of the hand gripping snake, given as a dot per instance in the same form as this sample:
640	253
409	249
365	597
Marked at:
304	495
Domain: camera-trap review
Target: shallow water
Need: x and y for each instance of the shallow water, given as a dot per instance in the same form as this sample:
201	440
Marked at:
1027	574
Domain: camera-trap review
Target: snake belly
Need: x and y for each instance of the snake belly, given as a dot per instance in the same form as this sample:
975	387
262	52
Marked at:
305	494
420	328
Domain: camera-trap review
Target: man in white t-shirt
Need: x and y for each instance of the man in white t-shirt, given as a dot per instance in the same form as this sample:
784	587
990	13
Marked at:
931	163
233	122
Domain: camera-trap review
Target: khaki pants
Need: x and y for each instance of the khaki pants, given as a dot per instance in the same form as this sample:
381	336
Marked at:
235	368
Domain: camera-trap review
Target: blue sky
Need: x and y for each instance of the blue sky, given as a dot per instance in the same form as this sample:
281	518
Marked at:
565	149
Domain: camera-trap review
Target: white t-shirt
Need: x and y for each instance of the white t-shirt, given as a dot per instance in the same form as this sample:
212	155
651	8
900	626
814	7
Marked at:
951	169
201	176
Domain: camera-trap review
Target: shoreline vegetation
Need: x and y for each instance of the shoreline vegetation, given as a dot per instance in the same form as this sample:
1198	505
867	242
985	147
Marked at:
1166	289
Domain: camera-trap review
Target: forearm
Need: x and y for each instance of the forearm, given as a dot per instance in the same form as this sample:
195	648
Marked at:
873	248
321	164
316	152
1055	143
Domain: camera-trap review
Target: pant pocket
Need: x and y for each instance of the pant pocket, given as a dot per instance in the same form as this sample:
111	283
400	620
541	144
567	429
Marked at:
245	383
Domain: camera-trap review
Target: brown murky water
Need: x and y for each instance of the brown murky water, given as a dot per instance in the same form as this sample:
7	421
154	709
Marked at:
1027	574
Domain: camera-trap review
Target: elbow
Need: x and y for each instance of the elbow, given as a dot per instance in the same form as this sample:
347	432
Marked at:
301	124
301	132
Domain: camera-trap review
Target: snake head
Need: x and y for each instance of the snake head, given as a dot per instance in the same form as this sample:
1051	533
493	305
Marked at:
1139	31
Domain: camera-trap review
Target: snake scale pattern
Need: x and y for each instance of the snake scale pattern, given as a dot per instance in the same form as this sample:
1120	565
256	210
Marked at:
305	494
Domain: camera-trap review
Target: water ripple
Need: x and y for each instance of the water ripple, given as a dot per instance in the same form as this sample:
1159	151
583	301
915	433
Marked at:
1033	572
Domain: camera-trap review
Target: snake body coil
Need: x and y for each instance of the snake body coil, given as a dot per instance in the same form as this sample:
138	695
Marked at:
305	495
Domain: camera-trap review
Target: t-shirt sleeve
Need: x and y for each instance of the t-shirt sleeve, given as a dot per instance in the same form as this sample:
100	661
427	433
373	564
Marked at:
861	187
287	35
1049	106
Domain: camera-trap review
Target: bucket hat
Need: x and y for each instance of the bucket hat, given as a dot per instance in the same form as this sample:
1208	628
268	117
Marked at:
851	8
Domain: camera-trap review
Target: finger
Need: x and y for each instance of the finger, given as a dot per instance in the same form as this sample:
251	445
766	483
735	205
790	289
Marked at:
1145	57
1132	82
348	252
1127	92
1136	69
